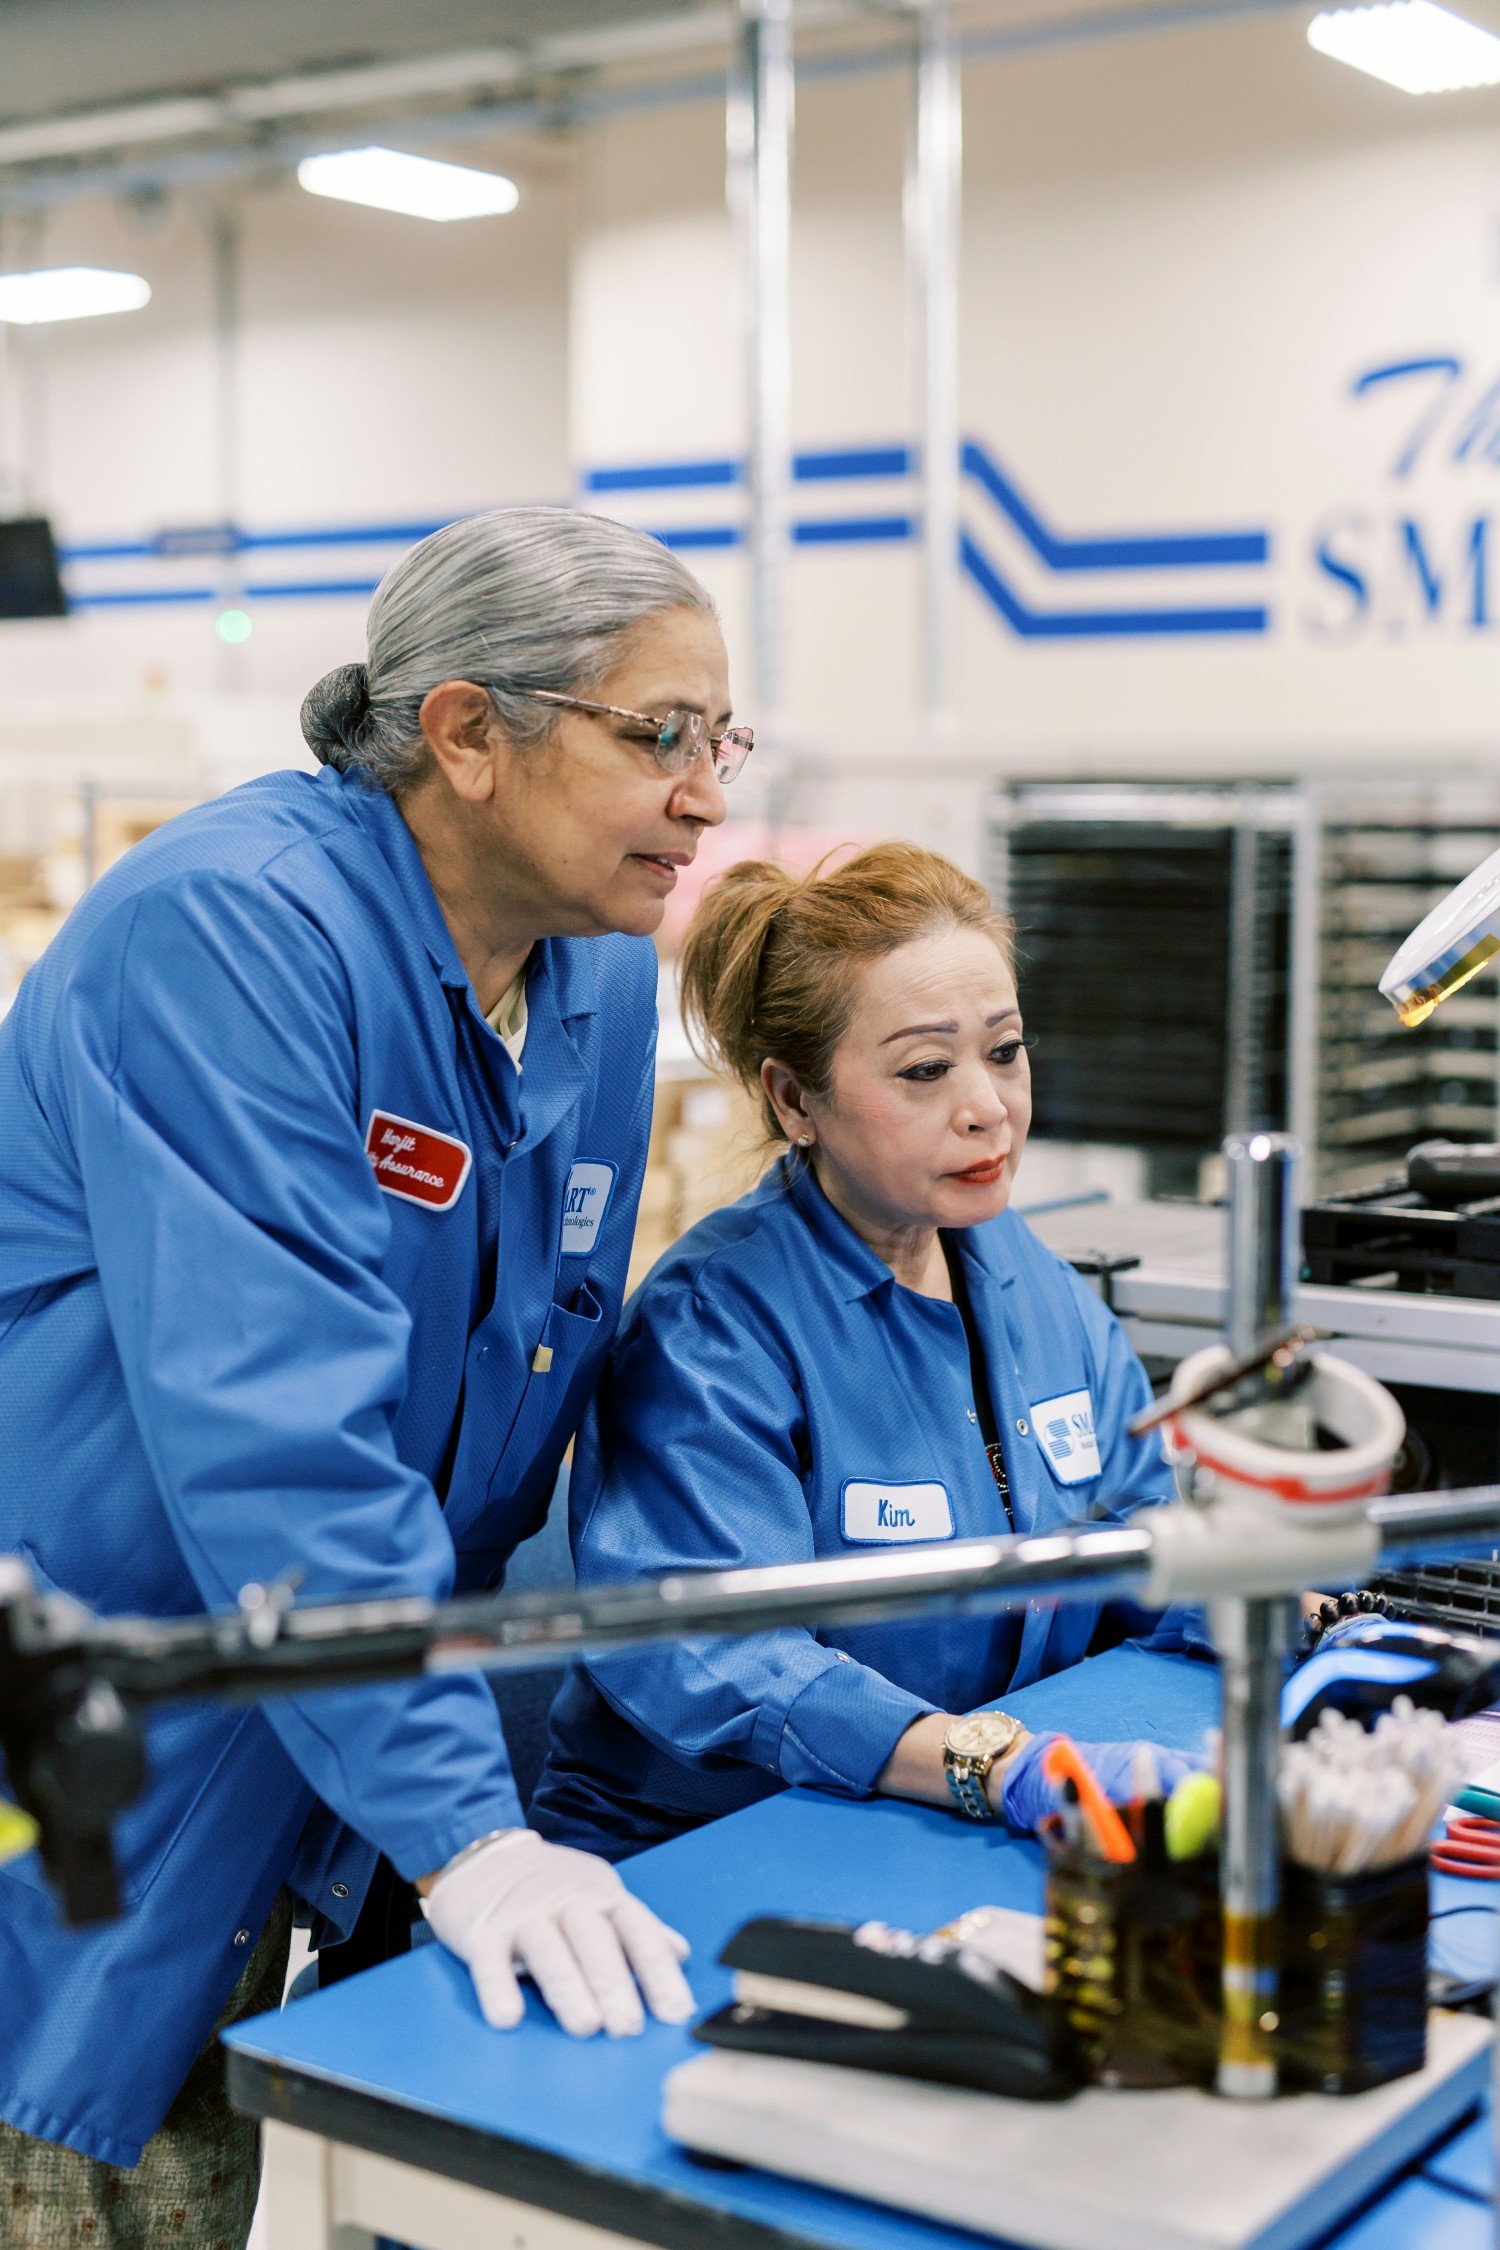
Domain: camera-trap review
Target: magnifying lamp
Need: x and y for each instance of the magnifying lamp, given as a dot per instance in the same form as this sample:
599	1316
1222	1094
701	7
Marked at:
1453	944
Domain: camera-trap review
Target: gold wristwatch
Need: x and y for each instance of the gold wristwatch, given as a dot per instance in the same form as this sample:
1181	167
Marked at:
973	1746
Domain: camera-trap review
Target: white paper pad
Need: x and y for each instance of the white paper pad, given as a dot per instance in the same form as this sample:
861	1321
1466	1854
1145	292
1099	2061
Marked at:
1174	2170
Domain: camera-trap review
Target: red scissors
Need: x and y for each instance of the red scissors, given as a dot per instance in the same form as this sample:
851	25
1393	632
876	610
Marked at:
1471	1847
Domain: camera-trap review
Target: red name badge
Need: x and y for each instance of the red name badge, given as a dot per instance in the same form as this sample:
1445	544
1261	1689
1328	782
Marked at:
416	1163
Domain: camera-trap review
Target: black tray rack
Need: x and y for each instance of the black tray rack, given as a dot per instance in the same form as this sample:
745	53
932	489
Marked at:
1390	1237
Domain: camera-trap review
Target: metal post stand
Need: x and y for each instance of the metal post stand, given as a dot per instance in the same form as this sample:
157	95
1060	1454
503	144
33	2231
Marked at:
1261	1182
759	125
1252	1636
933	226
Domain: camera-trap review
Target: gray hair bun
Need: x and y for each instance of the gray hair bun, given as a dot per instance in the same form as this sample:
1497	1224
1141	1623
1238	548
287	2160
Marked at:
334	713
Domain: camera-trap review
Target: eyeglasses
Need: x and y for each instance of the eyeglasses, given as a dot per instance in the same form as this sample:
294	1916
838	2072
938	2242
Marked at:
679	739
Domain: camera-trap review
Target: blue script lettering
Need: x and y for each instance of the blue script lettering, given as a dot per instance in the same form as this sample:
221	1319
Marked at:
1343	570
888	1518
1403	575
1433	585
1443	365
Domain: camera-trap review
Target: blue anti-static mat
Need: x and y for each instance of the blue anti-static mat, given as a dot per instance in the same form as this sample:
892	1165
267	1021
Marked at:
408	2036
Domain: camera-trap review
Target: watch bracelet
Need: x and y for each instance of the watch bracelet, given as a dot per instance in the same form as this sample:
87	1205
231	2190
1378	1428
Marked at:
968	1791
978	1784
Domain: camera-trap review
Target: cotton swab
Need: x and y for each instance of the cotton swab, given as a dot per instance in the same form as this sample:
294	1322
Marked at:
1352	1802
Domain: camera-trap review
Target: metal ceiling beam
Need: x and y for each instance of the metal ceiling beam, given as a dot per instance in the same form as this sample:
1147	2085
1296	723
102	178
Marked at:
375	85
256	129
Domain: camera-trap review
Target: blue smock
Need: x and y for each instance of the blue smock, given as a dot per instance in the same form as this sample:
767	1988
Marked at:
228	1351
776	1395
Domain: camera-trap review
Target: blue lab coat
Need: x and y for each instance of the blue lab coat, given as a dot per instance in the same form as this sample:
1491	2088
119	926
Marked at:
228	1353
775	1395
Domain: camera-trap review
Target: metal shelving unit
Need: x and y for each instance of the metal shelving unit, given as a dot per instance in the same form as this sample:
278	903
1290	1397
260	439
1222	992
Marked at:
1167	955
1197	959
1201	959
1388	854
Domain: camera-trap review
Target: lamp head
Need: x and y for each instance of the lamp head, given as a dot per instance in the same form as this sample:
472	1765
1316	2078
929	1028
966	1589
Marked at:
1451	945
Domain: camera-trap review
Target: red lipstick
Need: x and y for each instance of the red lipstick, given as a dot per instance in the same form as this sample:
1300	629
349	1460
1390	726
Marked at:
982	1175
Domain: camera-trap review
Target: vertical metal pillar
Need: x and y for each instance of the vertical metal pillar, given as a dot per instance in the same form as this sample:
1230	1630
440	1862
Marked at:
10	475
31	354
1261	1180
933	215
1251	1638
10	468
224	240
1305	988
759	127
1242	1044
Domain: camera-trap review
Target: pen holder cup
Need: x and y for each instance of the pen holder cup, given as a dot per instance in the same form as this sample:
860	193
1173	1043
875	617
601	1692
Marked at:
1353	2000
1133	1961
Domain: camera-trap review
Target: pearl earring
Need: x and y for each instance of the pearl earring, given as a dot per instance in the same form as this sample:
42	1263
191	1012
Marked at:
804	1140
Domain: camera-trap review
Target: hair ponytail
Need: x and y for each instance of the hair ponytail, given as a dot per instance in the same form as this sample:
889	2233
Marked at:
771	958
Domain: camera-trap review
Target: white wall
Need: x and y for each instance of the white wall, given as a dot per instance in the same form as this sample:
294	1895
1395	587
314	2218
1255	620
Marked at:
1179	252
390	371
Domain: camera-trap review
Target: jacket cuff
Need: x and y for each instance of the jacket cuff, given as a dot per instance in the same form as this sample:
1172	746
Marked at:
424	1852
840	1731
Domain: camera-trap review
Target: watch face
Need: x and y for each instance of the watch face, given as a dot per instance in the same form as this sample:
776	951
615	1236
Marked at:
982	1734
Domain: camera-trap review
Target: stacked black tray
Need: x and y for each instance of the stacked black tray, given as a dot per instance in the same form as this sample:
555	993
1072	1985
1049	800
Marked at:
1390	1237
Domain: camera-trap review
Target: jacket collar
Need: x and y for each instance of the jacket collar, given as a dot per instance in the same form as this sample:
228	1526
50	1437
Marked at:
562	964
987	1252
856	1269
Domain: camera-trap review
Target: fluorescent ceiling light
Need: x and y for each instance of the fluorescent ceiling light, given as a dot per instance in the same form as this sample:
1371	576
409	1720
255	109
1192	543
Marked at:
69	293
417	185
1412	44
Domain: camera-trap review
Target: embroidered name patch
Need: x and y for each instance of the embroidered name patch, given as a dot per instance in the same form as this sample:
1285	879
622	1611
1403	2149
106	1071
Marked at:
1065	1432
585	1201
877	1514
416	1163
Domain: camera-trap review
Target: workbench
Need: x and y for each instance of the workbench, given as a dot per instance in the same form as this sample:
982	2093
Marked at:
1176	1299
393	2111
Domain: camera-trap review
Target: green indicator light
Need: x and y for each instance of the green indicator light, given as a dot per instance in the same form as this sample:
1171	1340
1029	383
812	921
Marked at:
233	626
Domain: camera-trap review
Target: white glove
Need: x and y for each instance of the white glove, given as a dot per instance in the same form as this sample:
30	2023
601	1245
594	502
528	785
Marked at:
521	1903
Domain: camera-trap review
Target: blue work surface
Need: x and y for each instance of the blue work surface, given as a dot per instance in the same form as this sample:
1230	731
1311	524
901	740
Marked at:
1466	2161
399	2059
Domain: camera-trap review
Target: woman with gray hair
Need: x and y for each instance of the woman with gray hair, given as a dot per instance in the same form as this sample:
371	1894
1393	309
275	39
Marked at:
327	1113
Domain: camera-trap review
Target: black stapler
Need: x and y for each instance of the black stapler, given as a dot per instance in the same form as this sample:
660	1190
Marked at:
875	1998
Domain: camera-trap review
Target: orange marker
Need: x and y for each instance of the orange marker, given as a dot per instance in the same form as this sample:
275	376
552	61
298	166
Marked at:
1061	1761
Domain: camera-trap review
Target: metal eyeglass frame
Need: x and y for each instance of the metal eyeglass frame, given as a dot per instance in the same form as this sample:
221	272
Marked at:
681	737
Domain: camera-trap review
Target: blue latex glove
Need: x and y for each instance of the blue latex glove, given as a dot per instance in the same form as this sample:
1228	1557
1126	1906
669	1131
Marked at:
1027	1796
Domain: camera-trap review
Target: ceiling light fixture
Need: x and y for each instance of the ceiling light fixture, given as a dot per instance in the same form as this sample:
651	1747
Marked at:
417	185
1412	44
69	293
